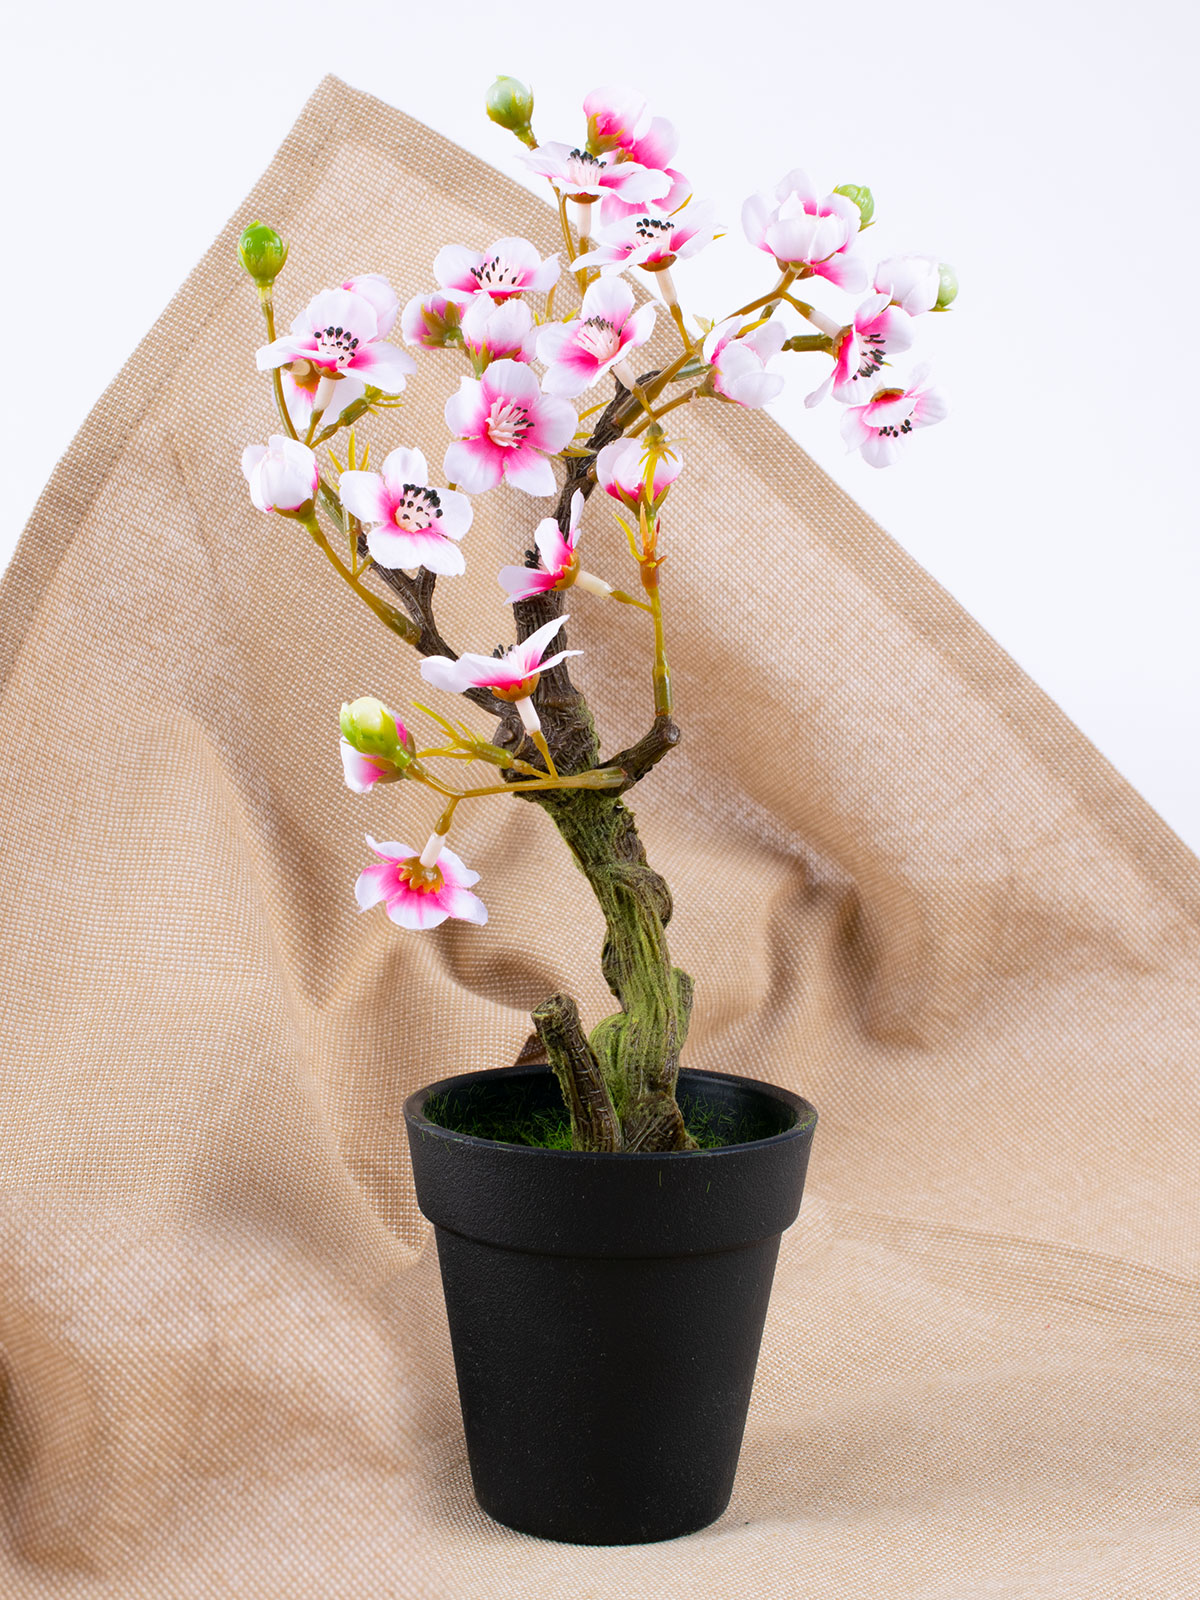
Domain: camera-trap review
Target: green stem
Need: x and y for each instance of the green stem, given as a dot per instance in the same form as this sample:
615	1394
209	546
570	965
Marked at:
808	341
655	416
662	677
266	299
628	600
595	778
568	240
392	619
789	277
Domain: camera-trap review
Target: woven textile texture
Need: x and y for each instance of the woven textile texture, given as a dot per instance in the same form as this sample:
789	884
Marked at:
915	894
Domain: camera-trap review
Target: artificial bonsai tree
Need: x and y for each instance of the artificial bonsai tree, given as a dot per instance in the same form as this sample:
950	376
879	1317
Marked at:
499	314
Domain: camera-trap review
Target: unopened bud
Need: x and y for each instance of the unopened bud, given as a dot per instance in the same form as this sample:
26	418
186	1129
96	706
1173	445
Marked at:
370	727
510	105
863	199
262	253
947	286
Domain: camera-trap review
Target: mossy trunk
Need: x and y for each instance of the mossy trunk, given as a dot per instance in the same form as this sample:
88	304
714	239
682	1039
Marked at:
620	1083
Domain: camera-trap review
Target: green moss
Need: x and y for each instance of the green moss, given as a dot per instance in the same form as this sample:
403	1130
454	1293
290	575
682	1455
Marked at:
544	1129
548	1127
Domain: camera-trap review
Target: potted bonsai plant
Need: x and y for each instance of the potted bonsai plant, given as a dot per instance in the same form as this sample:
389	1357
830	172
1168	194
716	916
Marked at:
607	1222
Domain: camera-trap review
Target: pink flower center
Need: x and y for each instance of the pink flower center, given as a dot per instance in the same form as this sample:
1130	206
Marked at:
497	273
890	430
512	688
583	170
335	346
599	338
860	352
419	879
508	422
653	230
874	347
894	432
417	508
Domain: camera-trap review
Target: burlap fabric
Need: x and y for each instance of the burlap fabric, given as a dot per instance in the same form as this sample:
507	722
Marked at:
906	886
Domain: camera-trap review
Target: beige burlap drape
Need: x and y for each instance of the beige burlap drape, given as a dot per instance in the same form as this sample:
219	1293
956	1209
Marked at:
905	884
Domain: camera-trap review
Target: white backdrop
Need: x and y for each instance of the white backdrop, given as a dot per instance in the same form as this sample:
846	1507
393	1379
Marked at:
1045	149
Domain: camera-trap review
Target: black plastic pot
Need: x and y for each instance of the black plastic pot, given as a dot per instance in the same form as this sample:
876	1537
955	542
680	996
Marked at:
606	1310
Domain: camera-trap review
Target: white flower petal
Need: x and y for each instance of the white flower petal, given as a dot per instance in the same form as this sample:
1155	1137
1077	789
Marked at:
402	465
457	514
452	676
365	496
464	905
474	464
339	308
416	911
466	410
383	366
610	298
374	287
530	472
373	884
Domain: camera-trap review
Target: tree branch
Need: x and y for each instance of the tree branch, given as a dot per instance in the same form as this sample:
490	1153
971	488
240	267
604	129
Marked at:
417	596
594	1122
638	759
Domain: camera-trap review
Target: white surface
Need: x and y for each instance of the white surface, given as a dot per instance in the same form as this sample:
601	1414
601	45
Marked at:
1047	150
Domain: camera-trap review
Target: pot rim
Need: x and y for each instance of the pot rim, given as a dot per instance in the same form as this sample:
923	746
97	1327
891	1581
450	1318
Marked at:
805	1115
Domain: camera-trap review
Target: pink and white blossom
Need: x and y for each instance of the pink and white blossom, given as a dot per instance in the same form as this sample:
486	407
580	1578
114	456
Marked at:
738	362
302	391
879	427
621	472
622	121
654	147
373	286
512	676
879	329
649	238
558	564
283	474
582	176
497	332
411	525
608	329
506	427
431	321
802	230
419	890
615	117
338	332
510	267
619	119
911	282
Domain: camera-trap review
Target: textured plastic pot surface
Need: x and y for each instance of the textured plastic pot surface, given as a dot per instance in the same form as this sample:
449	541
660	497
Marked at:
606	1311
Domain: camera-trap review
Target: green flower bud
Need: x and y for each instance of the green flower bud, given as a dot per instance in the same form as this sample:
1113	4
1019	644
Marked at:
510	105
863	199
948	289
262	253
370	727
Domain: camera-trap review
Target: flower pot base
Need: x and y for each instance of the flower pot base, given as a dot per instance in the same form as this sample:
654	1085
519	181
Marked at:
623	1419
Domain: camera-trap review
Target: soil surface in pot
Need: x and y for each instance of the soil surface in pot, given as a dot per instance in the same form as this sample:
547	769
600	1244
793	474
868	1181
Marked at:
535	1115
